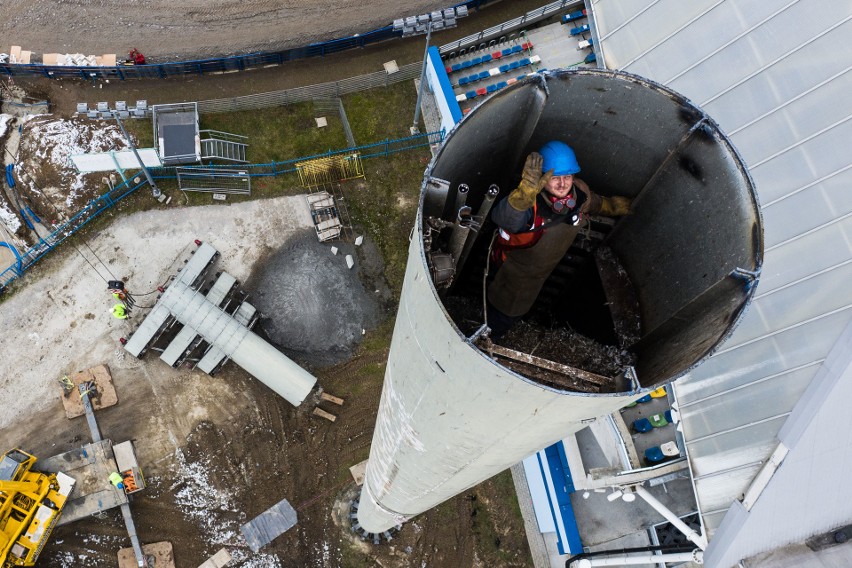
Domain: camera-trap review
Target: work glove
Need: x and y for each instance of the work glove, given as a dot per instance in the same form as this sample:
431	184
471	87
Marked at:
532	182
616	206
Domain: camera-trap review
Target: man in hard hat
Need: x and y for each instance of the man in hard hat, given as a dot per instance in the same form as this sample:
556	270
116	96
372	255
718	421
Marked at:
116	479
119	311
537	223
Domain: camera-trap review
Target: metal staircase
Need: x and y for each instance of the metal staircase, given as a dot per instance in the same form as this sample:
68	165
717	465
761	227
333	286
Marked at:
223	146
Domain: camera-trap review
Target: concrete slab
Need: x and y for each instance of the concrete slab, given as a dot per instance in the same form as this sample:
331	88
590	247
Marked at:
218	560
162	553
358	470
106	396
391	66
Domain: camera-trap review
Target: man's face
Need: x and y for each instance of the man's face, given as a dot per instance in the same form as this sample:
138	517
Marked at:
559	186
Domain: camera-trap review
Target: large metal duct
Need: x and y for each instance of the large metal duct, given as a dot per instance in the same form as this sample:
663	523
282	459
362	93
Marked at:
451	416
243	347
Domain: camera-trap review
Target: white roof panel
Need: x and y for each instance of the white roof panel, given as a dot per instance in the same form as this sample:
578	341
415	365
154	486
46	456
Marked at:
775	76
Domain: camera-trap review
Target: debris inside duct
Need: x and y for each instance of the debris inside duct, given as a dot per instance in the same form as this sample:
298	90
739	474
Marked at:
564	346
553	343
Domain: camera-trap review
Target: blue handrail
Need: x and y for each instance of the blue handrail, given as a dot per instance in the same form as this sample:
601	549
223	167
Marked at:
104	202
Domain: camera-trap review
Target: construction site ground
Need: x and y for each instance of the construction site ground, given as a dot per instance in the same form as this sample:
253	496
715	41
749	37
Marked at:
218	451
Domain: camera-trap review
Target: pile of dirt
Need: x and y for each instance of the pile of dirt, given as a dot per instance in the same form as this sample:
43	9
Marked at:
318	310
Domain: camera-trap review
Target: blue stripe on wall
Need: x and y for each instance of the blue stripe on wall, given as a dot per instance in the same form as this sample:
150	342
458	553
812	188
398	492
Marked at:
446	86
563	487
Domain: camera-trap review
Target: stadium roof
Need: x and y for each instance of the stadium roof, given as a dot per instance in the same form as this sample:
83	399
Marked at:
776	76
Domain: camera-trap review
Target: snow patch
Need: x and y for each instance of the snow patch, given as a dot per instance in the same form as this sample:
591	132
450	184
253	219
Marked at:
8	218
5	119
48	140
212	511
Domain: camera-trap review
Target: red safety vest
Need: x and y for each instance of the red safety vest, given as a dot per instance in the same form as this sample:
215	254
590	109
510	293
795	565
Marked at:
506	241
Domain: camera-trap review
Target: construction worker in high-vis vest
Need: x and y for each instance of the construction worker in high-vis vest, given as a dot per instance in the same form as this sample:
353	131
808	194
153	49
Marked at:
119	312
116	479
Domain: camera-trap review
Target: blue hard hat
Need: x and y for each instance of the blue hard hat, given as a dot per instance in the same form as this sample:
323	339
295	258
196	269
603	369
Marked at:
559	157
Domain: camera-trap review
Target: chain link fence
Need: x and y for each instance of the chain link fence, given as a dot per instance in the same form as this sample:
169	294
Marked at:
328	90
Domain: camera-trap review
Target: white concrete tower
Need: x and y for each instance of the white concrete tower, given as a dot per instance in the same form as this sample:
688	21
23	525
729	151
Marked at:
452	416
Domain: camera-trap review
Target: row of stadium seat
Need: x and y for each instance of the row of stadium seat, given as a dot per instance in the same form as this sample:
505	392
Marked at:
579	30
488	57
494	71
488	90
573	16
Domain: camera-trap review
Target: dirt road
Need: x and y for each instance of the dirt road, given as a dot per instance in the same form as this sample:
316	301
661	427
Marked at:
166	30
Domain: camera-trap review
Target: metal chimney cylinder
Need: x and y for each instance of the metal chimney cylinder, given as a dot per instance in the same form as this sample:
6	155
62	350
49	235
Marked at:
450	416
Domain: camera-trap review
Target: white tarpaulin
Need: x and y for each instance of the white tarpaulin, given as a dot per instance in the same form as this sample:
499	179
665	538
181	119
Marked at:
110	161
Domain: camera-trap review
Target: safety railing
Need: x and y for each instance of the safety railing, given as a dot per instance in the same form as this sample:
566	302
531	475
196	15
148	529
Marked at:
104	202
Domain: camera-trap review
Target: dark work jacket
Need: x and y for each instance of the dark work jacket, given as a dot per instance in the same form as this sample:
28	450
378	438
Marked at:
524	270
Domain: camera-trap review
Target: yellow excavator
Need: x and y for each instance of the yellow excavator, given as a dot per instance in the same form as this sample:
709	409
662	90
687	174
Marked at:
30	504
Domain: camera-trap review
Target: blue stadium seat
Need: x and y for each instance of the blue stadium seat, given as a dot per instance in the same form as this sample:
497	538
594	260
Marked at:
524	62
590	58
501	85
646	398
654	455
581	30
484	75
573	16
466	64
668	415
470	94
456	66
473	78
507	52
486	58
642	425
504	68
519	77
491	88
463	81
476	61
514	65
516	49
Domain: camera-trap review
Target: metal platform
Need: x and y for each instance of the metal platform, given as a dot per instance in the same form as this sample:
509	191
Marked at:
270	524
90	467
